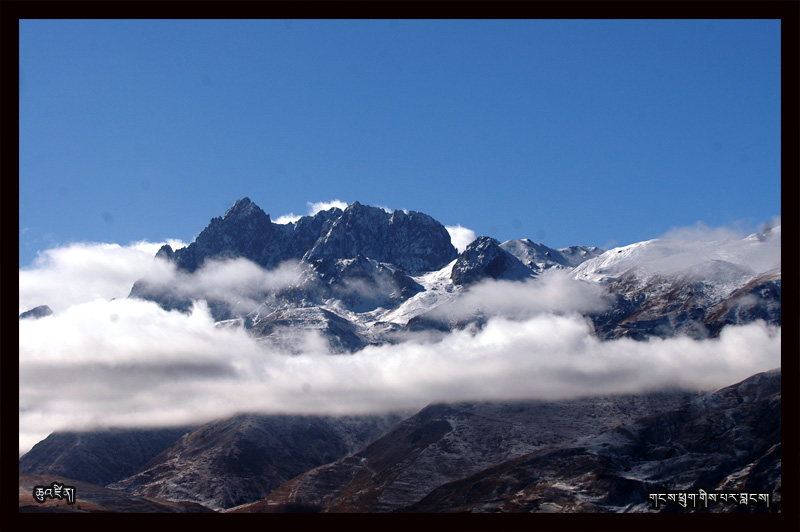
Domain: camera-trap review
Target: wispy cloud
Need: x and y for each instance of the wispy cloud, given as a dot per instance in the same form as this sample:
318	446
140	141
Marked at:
460	236
554	292
130	363
700	252
701	232
287	218
239	283
313	208
771	224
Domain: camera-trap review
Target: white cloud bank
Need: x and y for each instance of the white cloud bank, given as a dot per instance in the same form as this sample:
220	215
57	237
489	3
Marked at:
130	363
554	292
98	362
79	272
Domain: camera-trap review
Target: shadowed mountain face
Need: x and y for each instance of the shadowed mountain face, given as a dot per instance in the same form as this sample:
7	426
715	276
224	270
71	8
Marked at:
98	457
576	456
665	307
665	287
219	465
728	440
443	443
413	241
242	459
515	260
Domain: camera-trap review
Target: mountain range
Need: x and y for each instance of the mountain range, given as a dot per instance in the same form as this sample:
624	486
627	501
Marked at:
364	276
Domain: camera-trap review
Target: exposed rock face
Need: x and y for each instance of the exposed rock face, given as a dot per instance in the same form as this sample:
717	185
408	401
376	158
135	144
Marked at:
577	255
360	257
245	231
663	306
165	252
308	230
514	260
668	287
98	457
242	459
483	258
37	312
365	276
759	299
413	241
382	272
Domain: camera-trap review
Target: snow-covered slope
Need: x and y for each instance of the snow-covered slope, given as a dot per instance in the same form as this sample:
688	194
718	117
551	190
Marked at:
539	257
438	288
666	287
751	256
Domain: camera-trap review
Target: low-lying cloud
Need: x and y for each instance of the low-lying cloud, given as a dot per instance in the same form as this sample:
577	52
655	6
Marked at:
79	272
239	283
699	252
130	363
555	291
126	362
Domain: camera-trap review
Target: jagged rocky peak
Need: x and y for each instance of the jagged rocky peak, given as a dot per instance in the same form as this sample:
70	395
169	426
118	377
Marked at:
514	260
165	252
385	246
245	208
483	258
245	231
414	241
37	312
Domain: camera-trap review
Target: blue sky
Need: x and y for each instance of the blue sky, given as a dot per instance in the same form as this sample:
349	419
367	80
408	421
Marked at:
589	132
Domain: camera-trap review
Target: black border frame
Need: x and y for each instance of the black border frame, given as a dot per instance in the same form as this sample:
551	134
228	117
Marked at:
788	11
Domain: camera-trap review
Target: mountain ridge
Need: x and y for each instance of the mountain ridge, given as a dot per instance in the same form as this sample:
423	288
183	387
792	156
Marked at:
372	273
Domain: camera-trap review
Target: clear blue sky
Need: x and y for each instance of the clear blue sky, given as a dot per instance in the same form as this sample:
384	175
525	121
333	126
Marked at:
565	132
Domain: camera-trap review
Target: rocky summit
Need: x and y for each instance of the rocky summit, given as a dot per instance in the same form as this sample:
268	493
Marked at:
413	241
362	274
37	312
